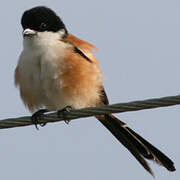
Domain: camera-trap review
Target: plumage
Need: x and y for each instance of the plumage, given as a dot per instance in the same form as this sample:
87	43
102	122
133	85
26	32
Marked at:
57	69
57	80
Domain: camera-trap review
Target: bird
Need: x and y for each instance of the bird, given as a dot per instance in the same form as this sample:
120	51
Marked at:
57	70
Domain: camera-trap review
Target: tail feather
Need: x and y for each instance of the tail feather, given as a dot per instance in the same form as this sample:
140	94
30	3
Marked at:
138	146
154	153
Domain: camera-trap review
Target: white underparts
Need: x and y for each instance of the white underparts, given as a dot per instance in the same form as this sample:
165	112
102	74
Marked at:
40	67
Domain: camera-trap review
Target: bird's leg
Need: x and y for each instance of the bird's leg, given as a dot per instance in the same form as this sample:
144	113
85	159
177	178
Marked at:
37	116
62	111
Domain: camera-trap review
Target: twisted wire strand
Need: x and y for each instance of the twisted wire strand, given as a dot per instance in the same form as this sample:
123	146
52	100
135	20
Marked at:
87	112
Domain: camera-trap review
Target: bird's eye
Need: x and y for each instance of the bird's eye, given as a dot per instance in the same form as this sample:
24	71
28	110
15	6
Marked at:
43	25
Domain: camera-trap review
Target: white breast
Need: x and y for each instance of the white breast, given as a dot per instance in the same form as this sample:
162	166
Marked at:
43	69
39	70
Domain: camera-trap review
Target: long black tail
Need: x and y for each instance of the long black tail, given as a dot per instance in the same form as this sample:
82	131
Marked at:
138	146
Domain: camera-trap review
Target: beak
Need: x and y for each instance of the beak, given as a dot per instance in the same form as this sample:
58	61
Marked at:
29	32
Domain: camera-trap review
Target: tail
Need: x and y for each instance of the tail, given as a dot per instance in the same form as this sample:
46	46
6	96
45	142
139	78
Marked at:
138	146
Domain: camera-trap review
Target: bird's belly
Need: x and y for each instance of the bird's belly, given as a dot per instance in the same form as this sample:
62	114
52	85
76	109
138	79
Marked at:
54	83
69	84
59	93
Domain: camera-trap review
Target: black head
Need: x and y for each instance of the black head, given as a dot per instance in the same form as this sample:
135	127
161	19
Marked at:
42	19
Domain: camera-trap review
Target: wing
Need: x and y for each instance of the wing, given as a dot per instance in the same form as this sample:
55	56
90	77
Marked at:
81	47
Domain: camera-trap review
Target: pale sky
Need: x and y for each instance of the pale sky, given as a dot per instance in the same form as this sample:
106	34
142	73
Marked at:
139	56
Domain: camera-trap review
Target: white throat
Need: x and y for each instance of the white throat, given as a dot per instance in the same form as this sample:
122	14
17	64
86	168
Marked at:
42	39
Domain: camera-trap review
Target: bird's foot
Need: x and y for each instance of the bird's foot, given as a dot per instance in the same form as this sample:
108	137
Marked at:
62	111
37	116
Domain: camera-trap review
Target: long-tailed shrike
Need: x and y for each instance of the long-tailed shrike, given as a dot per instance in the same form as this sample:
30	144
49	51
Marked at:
57	69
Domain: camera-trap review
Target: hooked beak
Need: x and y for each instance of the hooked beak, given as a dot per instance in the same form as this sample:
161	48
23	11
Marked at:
29	32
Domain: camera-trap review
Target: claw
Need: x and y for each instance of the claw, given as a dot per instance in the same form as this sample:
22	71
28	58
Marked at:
62	111
37	116
67	121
